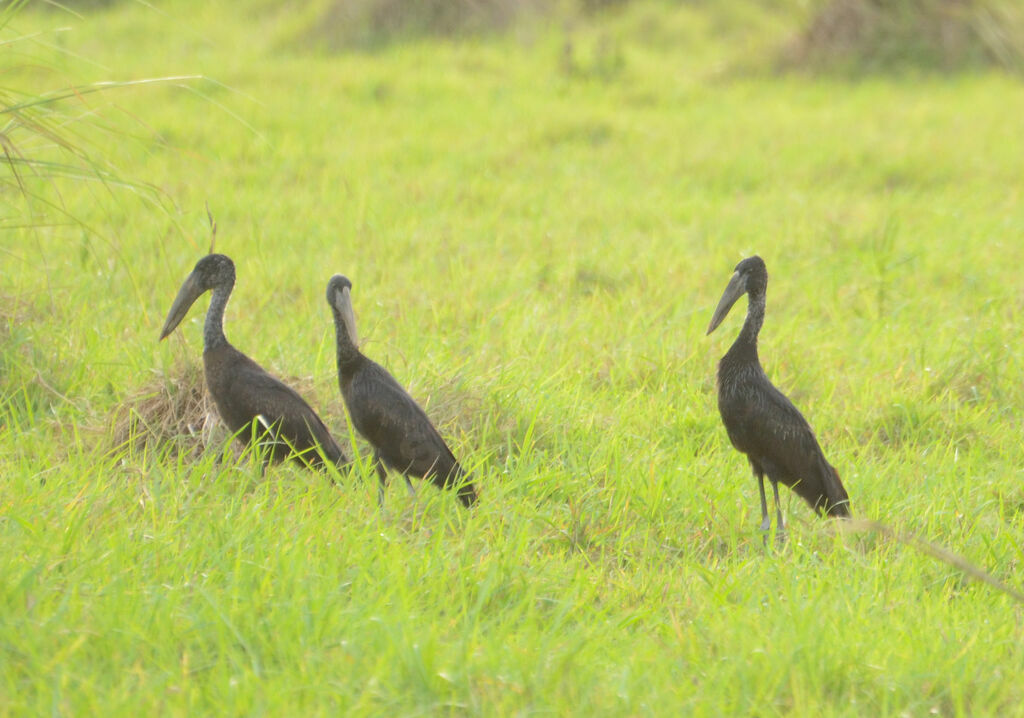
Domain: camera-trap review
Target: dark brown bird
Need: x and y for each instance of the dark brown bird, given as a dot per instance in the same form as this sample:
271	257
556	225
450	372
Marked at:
760	420
382	411
253	404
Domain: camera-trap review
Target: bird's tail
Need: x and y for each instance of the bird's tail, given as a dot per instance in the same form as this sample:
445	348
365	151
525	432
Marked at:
462	481
467	495
821	488
836	501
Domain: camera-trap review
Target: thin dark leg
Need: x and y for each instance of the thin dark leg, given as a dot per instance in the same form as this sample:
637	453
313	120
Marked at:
264	442
412	495
408	483
766	522
263	449
382	475
780	526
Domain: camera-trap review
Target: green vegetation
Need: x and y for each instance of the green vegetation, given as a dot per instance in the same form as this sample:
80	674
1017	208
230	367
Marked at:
538	227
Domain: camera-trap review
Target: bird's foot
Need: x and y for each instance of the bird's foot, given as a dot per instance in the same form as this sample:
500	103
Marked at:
766	531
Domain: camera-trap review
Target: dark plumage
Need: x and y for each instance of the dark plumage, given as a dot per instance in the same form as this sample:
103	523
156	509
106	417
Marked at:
382	411
251	402
760	420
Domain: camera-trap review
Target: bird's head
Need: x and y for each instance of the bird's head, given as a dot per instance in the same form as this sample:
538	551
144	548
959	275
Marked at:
750	277
339	298
213	270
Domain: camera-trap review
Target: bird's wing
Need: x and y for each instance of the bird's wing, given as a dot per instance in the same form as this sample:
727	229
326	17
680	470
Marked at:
770	428
777	439
254	392
394	423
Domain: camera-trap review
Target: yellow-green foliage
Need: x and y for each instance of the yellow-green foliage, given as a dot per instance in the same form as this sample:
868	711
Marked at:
537	228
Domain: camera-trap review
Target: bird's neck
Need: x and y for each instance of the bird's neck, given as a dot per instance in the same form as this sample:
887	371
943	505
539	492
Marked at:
213	330
746	343
348	352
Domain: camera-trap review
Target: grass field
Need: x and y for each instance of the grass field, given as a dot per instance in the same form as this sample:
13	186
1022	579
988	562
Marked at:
536	248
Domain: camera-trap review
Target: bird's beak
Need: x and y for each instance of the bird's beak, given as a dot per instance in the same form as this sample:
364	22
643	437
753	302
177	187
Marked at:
343	302
736	288
190	291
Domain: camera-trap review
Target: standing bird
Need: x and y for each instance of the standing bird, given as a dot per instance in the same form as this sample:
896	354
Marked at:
251	402
761	422
382	411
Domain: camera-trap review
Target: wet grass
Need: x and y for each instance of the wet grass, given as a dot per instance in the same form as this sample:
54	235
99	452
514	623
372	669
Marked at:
535	253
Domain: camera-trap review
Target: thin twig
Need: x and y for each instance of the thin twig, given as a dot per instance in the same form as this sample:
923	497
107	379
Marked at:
213	226
935	551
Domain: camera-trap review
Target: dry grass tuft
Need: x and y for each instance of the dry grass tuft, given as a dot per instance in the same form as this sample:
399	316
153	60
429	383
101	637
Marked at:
452	405
176	413
948	35
173	411
368	24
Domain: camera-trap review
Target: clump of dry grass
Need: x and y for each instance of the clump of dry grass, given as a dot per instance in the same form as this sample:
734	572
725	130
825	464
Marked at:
866	35
346	24
173	411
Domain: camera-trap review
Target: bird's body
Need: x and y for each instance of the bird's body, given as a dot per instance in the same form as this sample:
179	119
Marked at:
255	405
761	422
402	436
244	392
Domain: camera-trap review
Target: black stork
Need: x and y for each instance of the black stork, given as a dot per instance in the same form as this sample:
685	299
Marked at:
251	402
401	434
761	422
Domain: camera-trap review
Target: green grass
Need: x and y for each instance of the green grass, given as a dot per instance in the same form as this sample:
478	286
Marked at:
536	254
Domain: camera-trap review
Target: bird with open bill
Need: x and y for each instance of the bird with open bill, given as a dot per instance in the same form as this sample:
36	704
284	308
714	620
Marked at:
402	436
761	422
256	406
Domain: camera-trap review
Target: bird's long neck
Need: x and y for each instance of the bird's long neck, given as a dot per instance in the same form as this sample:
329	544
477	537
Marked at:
348	352
213	330
745	345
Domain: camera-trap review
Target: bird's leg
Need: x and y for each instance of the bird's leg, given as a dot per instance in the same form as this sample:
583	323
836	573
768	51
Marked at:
265	442
780	527
766	522
260	455
408	483
412	498
382	475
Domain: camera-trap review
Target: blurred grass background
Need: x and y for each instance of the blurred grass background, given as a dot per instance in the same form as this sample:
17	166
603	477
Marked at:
539	207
